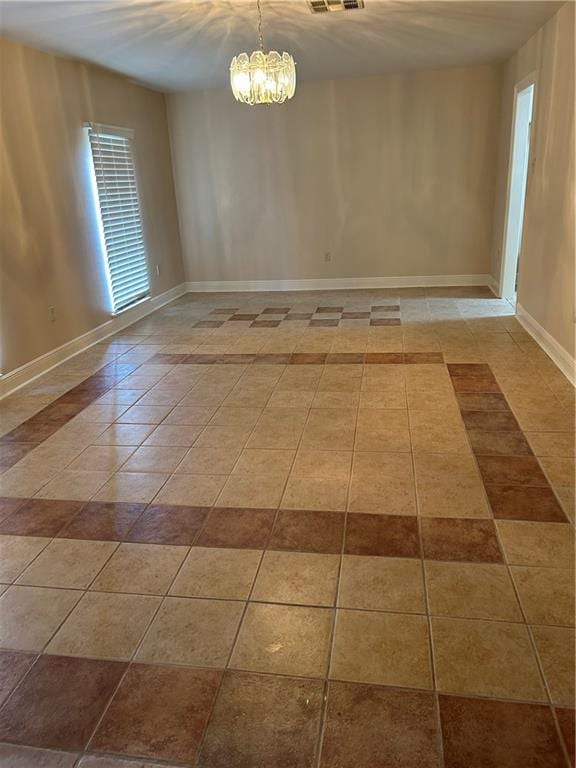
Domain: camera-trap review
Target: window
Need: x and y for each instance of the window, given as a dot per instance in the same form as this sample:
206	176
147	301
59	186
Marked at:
115	175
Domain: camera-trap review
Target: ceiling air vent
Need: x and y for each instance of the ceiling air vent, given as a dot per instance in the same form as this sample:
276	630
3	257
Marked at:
321	6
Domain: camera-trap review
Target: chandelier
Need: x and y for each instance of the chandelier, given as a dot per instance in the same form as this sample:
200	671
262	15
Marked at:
262	78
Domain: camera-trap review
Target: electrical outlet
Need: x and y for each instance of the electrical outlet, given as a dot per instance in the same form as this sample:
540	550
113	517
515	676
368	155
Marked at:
52	313
327	256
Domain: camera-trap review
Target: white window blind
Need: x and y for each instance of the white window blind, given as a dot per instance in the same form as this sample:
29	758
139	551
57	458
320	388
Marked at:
115	175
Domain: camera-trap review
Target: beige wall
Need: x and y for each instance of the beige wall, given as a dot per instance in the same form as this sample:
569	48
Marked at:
49	253
392	175
546	283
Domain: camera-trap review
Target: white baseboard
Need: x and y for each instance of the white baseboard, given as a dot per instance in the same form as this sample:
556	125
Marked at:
553	349
335	283
494	286
19	377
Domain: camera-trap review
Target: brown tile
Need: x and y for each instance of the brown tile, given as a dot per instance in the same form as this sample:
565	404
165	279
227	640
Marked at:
308	531
243	317
490	421
478	733
513	502
458	539
265	324
209	323
567	729
482	402
40	517
162	524
29	432
308	358
232	527
485	658
384	358
379	321
284	639
499	443
345	358
329	310
263	721
375	727
381	648
8	506
475	384
419	358
275	311
511	470
382	535
104	521
323	323
59	702
385	308
158	712
11	453
13	667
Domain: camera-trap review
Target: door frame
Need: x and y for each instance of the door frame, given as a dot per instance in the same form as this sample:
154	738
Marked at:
521	85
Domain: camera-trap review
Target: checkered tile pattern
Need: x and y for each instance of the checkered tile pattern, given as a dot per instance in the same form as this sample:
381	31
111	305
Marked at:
321	317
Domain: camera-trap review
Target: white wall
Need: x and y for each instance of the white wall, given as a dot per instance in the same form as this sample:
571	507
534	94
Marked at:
392	175
546	284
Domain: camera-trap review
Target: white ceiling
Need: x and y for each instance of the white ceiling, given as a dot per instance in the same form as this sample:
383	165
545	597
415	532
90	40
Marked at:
182	44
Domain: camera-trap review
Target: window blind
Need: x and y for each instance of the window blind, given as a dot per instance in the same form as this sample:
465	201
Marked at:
115	175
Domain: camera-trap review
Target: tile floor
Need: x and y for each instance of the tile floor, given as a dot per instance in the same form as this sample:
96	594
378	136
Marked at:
297	530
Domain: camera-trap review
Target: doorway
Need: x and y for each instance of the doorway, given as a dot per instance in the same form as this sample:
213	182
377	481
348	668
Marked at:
519	163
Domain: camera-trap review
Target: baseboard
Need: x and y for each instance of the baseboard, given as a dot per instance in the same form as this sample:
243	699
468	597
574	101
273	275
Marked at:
494	286
553	349
335	283
14	380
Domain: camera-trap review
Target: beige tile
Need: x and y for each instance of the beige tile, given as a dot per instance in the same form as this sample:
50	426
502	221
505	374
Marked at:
17	552
262	492
163	459
554	444
135	487
256	461
218	573
381	584
375	395
124	434
328	429
546	594
102	412
223	437
555	646
381	648
382	483
69	563
449	485
209	461
322	464
173	435
74	486
227	416
333	399
382	430
195	632
189	416
29	616
22	482
279	428
437	432
105	626
546	544
471	590
485	658
297	577
191	490
329	493
146	569
560	471
79	433
105	458
284	639
145	414
290	399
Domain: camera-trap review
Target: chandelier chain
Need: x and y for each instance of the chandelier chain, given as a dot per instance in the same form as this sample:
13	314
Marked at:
260	33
